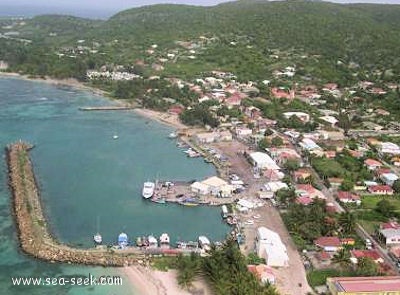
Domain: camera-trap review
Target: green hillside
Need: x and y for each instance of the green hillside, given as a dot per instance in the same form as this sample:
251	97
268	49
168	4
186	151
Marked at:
245	35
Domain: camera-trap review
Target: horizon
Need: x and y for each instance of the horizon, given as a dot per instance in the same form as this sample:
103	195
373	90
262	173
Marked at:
103	9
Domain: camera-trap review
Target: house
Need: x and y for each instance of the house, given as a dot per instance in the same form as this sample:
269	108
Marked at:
390	236
206	137
372	254
304	200
380	190
329	154
263	273
391	224
310	145
389	148
389	178
262	161
329	119
335	182
372	164
309	191
274	186
243	132
281	155
273	175
328	244
331	135
282	93
364	285
270	247
302	174
176	109
304	117
348	198
234	100
224	135
252	112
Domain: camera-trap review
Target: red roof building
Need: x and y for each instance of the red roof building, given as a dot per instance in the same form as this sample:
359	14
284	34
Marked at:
364	285
329	244
391	224
372	164
348	197
380	190
304	200
282	93
372	254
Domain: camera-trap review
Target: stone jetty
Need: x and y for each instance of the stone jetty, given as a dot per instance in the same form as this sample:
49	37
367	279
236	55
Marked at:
34	236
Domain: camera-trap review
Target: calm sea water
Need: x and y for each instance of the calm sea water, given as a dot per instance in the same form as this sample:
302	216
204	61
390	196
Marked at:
84	176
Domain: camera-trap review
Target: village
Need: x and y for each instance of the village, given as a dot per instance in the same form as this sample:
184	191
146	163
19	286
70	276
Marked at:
309	171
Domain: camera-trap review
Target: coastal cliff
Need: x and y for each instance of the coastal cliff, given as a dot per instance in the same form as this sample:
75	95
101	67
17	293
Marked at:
33	233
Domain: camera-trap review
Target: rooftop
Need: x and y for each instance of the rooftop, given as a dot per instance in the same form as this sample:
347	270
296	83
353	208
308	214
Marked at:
366	284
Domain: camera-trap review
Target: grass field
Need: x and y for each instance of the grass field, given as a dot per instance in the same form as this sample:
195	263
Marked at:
369	202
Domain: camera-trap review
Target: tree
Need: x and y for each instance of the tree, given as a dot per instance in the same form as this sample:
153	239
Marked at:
385	208
367	267
264	144
396	186
276	141
347	222
347	185
285	196
342	258
291	165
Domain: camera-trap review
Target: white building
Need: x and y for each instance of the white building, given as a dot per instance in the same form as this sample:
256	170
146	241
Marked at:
243	132
263	161
389	178
329	119
389	148
214	186
270	247
304	117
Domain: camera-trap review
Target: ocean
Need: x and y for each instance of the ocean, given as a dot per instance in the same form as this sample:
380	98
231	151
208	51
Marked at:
90	181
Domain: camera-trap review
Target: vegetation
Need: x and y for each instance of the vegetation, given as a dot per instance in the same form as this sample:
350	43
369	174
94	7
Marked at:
226	270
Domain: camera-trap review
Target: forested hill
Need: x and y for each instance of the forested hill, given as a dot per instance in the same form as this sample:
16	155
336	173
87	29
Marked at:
365	34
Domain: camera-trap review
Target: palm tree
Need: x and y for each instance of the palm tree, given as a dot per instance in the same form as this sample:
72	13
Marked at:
347	222
342	258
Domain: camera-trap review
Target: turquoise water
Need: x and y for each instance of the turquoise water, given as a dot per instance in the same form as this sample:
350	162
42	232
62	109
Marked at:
84	176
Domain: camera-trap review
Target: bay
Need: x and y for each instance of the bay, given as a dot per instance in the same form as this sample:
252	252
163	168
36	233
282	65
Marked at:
85	175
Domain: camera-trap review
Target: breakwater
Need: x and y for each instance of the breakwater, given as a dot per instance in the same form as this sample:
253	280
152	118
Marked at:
33	234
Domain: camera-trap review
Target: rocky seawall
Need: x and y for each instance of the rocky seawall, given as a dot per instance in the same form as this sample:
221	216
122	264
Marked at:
34	236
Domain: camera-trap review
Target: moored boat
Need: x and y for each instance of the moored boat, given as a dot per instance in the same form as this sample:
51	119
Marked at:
204	243
148	189
164	239
173	135
152	241
97	238
158	200
123	240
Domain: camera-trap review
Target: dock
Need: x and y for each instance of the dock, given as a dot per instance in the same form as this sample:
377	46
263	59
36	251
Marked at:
106	108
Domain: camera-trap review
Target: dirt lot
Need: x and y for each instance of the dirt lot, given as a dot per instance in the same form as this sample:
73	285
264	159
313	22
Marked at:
291	280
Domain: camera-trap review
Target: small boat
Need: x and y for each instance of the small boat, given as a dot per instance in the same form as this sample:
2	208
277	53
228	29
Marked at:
148	189
189	204
164	239
115	136
152	242
249	222
123	240
257	216
158	200
204	243
173	135
97	238
186	245
139	242
231	220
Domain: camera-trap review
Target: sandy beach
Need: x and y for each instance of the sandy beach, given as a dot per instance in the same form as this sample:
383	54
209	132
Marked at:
165	118
153	282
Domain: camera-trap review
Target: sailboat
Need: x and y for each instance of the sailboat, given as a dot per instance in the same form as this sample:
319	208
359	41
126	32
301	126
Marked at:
97	238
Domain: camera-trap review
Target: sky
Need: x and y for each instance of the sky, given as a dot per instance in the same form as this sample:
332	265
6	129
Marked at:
106	8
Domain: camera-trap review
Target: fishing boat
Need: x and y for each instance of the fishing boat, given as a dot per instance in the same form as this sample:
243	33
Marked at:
164	239
148	189
122	240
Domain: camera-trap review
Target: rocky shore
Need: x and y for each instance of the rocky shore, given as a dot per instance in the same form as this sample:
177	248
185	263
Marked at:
33	233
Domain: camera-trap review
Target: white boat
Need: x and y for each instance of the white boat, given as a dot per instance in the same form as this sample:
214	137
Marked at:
148	189
123	240
152	241
173	135
164	239
115	136
204	243
97	238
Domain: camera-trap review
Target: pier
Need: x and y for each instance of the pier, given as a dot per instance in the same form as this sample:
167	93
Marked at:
33	234
106	108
